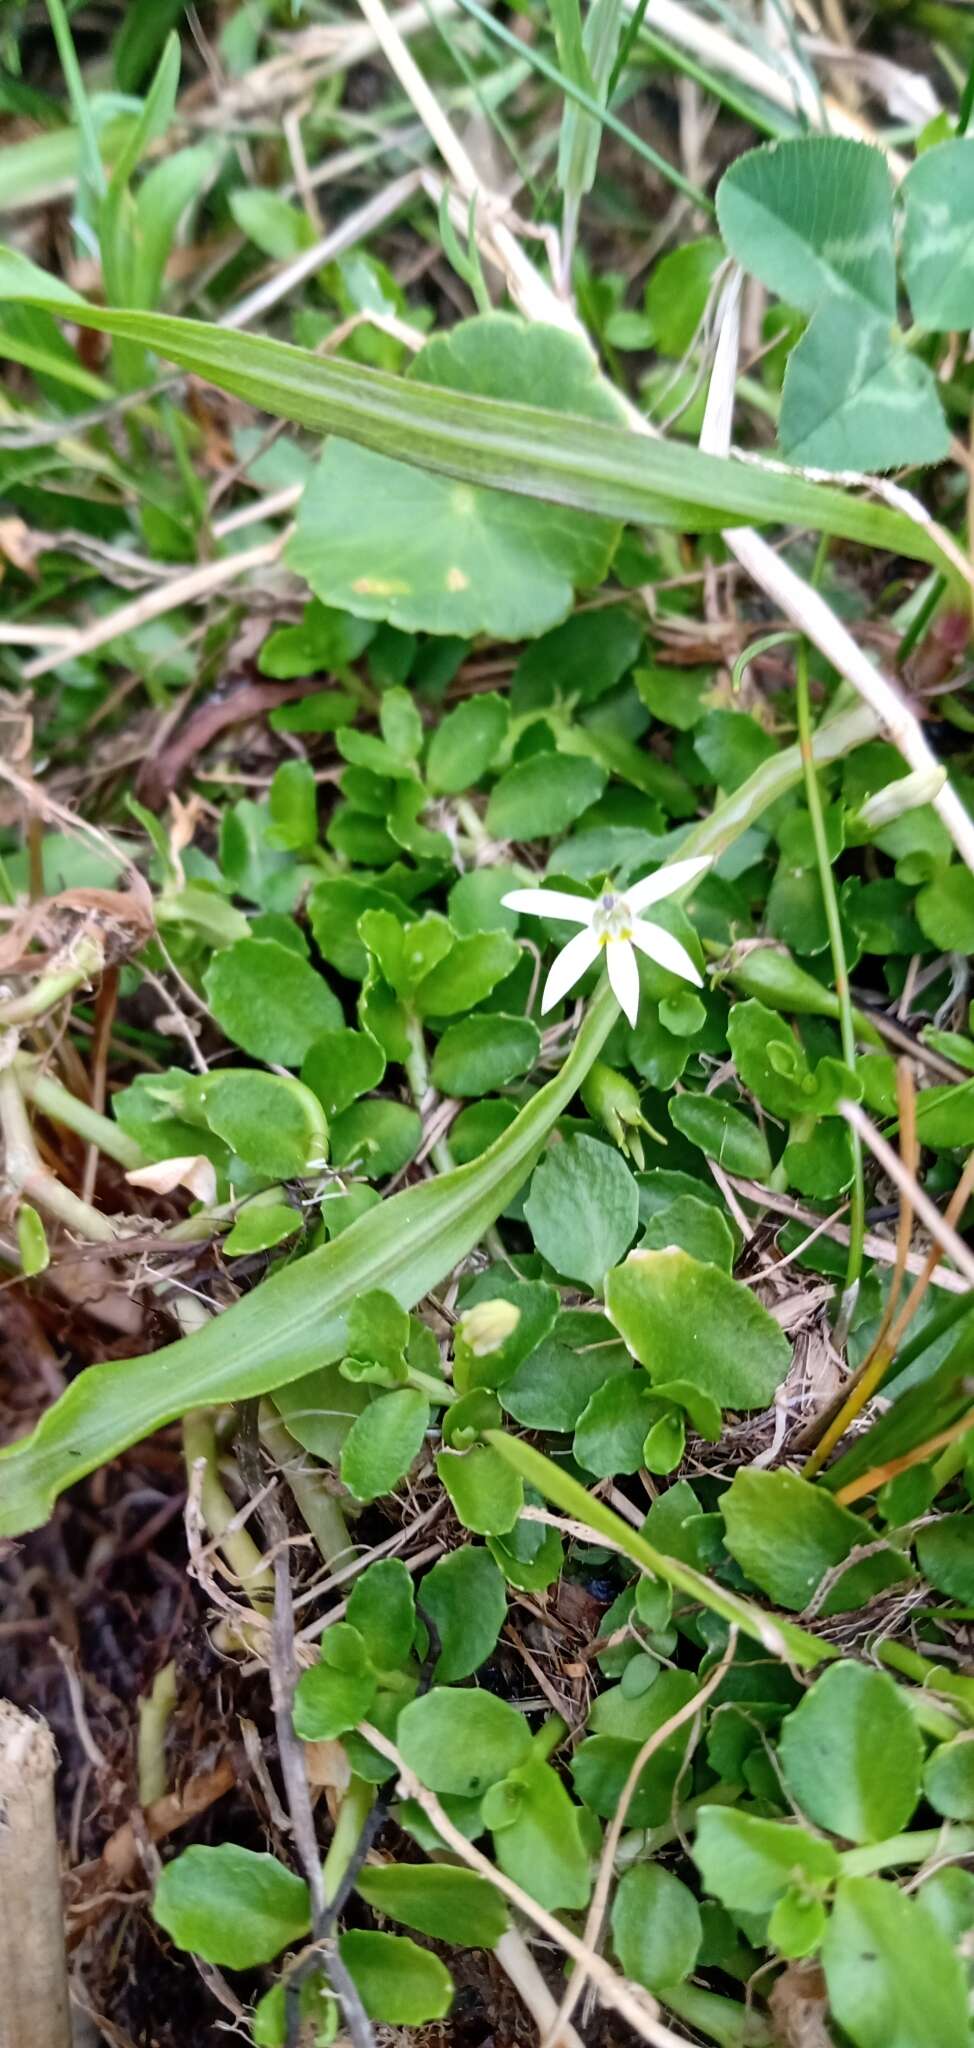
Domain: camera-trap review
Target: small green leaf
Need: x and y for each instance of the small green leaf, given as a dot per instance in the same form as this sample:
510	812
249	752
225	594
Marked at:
273	1123
399	1983
538	1839
945	1553
829	1747
342	1065
656	1926
317	2008
945	909
797	1923
334	909
691	1225
383	1441
749	1864
275	227
462	1742
293	803
540	797
813	219
552	1387
677	293
323	640
465	1599
480	1054
319	1410
613	1427
894	1980
270	1001
582	1208
686	1320
259	1225
437	1899
233	1907
948	1778
35	1256
382	1608
938	200
338	1692
468	974
379	1138
486	1494
856	398
465	743
787	1534
723	1133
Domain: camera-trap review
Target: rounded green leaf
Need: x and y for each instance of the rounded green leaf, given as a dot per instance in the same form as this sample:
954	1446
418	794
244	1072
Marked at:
378	1137
340	1066
382	1608
540	797
383	1441
274	1124
539	1839
786	1534
688	1321
691	1225
614	1424
465	1599
948	1778
813	219
437	1899
337	1693
583	1208
723	1133
399	1983
259	1225
797	1923
230	1906
394	542
270	1001
749	1863
465	742
486	1492
462	1741
482	1053
851	1754
655	1926
470	971
894	1980
945	1552
938	200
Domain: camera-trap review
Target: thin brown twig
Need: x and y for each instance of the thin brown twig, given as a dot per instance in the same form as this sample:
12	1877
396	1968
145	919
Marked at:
634	2005
689	1711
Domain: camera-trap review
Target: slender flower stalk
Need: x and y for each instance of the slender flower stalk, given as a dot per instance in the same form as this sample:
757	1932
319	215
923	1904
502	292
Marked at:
613	924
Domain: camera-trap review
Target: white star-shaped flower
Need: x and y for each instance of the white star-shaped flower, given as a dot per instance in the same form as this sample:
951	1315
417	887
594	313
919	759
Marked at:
613	923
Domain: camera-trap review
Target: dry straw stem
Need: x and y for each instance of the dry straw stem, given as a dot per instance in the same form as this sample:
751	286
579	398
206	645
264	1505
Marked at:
789	592
34	2010
929	1215
632	2004
197	583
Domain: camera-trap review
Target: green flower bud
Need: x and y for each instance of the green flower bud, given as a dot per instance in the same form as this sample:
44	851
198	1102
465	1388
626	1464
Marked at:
485	1328
615	1104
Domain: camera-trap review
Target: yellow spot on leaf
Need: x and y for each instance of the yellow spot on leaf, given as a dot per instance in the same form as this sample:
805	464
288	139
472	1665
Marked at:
456	580
380	586
462	501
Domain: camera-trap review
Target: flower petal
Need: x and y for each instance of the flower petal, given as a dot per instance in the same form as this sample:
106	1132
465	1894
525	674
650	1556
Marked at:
667	951
623	976
666	882
568	967
550	903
